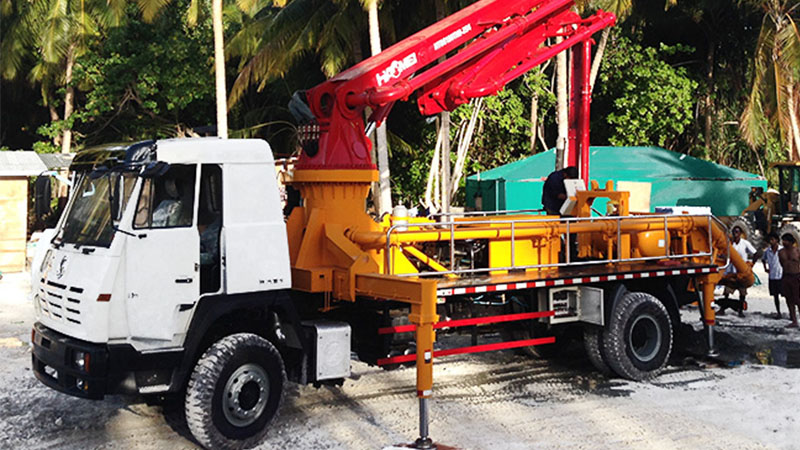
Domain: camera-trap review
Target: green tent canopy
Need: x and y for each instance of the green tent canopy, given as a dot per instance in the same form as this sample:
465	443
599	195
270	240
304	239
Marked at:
676	180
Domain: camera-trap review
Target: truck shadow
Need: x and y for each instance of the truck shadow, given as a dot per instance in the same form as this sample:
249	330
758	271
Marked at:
755	339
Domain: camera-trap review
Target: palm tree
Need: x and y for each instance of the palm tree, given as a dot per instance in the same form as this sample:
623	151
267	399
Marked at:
219	69
383	201
278	37
151	8
773	99
54	33
622	9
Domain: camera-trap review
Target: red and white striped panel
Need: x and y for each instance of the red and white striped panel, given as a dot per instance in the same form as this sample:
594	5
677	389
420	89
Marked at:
570	281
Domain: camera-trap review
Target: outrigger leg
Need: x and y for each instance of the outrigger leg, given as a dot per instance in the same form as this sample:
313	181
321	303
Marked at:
424	316
709	316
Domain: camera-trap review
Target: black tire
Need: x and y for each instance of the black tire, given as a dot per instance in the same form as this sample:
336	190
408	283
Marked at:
792	228
638	338
593	343
243	364
750	231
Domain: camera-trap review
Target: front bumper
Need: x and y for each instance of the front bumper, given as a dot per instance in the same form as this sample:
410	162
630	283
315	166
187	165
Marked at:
53	363
112	369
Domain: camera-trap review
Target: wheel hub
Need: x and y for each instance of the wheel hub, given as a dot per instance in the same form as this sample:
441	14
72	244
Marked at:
245	395
645	337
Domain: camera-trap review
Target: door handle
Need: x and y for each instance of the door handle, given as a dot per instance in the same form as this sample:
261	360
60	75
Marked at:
184	280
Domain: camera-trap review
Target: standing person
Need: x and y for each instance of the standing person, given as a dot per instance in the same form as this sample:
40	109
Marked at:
772	265
554	193
746	250
790	261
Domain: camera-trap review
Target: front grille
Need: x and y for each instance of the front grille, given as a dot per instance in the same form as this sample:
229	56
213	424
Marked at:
61	302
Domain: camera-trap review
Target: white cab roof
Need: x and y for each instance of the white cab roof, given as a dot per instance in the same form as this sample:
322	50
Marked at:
213	150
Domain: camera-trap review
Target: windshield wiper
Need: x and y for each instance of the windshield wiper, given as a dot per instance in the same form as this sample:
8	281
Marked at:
111	206
116	228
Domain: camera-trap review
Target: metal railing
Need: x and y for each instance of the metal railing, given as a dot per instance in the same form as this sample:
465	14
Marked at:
513	225
486	213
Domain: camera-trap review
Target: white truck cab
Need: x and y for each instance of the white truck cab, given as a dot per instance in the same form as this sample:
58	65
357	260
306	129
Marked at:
150	230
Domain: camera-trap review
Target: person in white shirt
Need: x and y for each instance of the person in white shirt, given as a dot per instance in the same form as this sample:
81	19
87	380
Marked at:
772	265
746	250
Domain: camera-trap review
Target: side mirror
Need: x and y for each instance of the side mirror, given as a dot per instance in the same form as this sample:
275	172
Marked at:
154	169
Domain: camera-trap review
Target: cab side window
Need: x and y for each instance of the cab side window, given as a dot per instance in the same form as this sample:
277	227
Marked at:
209	226
167	201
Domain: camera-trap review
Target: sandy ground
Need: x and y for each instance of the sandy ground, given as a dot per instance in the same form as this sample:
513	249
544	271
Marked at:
749	398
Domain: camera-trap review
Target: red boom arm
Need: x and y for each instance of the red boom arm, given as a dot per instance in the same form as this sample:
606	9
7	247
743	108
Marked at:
501	39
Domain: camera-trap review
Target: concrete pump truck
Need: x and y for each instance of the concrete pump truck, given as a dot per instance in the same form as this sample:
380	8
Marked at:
173	271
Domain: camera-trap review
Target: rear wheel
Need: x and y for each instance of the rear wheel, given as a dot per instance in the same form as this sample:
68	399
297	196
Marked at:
593	343
234	392
792	228
638	339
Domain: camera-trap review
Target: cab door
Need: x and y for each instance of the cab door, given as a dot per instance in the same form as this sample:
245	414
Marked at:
162	258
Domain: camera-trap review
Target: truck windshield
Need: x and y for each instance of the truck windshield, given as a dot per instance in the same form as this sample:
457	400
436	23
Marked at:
89	218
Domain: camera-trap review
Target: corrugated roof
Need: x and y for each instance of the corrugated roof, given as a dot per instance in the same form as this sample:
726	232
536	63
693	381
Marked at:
624	163
20	164
56	160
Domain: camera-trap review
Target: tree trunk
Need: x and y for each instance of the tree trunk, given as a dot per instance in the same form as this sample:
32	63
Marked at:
54	118
562	115
444	177
384	181
219	70
793	119
709	102
534	120
598	57
430	188
69	99
464	142
445	163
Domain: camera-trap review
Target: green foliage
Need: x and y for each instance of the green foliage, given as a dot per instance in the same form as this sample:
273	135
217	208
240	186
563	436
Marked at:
146	80
45	147
502	135
138	80
652	101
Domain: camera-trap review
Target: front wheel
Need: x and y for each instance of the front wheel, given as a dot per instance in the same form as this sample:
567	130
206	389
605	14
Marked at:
638	339
234	392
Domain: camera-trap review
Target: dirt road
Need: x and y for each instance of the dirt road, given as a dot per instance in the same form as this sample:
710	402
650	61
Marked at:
499	400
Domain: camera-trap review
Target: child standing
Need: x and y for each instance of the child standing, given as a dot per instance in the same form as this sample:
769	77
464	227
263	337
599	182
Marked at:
772	265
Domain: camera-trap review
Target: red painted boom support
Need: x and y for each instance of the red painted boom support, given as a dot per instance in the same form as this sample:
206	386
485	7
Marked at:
496	42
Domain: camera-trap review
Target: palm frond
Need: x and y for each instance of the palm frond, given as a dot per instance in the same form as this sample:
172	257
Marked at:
193	13
246	42
789	41
111	13
754	123
54	37
287	36
6	7
151	8
622	8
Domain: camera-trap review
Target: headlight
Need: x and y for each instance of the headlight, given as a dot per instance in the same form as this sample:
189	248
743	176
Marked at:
45	260
81	360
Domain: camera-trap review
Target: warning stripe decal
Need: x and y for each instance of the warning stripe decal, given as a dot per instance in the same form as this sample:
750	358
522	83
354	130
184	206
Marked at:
570	281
